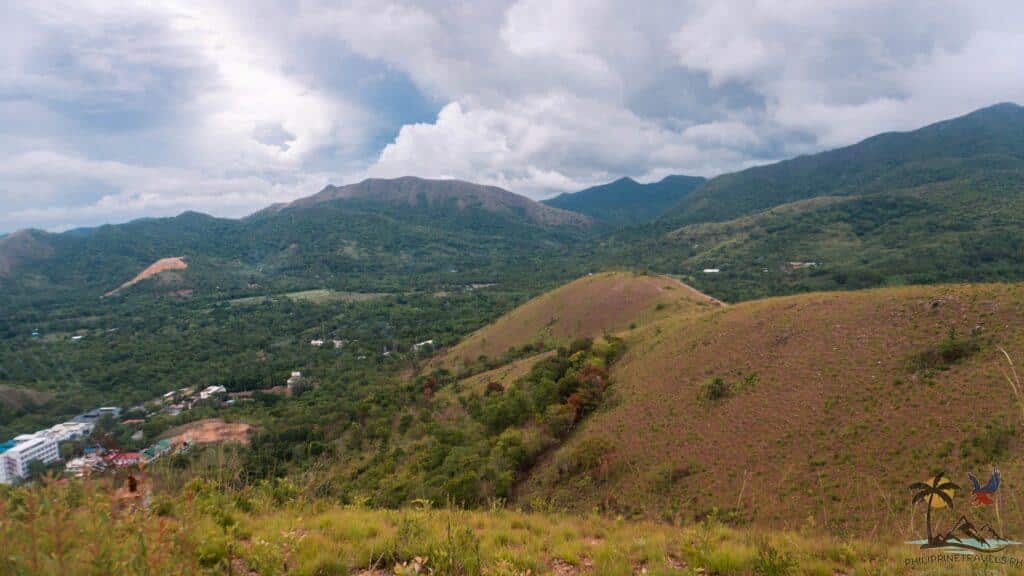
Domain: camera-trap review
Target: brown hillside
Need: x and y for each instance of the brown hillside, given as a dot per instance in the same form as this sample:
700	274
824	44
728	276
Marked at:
160	266
589	306
827	423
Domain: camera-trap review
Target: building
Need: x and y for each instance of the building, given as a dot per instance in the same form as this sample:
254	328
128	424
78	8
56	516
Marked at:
318	342
4	447
156	450
211	391
88	464
425	343
712	270
66	431
123	459
15	460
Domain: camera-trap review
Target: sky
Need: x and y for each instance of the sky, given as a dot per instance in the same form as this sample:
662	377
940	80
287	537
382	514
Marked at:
111	111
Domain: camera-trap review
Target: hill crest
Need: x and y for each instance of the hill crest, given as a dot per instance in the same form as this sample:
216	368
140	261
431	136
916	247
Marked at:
414	191
586	307
626	201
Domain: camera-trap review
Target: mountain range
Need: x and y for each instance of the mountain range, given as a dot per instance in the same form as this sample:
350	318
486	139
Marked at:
941	203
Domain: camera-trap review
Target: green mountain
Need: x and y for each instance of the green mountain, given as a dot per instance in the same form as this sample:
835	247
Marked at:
626	201
378	235
990	140
938	204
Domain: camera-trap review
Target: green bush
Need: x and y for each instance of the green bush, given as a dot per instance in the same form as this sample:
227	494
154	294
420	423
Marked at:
714	390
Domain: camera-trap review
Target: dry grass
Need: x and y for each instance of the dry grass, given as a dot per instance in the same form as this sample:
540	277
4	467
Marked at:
589	306
826	423
271	529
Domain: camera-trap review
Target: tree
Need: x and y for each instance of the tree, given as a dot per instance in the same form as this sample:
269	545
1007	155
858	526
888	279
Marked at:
938	487
36	469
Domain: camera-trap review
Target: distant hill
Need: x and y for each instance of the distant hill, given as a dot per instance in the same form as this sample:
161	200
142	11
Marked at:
626	201
410	191
22	246
984	141
375	236
939	204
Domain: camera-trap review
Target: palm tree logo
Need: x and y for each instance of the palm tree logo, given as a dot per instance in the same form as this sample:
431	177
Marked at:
938	493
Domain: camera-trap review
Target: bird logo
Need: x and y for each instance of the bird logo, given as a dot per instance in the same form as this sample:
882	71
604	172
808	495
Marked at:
982	495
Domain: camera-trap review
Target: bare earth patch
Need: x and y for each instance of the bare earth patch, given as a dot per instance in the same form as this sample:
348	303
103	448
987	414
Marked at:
210	431
161	265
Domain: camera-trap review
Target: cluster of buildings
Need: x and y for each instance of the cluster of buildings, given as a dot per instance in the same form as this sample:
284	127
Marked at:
16	454
97	460
177	401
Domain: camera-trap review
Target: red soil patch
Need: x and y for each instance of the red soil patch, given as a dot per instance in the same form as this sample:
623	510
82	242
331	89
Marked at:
827	423
160	266
589	306
210	431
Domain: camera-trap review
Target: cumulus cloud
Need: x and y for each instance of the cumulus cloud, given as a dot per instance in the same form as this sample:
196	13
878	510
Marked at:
599	89
116	110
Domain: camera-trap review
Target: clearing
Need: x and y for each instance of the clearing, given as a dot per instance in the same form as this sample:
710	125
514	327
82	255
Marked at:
160	266
210	431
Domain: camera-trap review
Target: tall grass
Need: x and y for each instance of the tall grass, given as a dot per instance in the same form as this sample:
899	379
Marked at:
208	527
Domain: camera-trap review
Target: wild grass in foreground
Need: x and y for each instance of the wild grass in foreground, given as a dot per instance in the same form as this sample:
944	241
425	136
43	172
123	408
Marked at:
82	528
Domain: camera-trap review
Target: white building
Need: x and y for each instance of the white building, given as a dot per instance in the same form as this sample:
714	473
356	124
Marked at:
16	459
712	270
318	342
68	431
211	391
416	347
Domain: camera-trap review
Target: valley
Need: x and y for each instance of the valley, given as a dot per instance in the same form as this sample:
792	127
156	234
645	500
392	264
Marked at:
734	375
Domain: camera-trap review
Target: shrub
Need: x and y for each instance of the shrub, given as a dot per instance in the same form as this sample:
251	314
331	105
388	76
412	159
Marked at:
771	563
949	351
714	390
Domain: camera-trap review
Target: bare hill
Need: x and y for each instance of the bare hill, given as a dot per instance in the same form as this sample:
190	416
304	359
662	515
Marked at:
589	306
827	407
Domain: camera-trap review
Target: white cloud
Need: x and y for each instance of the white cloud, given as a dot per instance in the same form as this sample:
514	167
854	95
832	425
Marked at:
124	191
114	110
553	142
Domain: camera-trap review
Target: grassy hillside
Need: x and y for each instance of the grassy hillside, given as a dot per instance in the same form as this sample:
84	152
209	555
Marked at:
817	408
935	205
587	307
626	201
963	230
208	528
